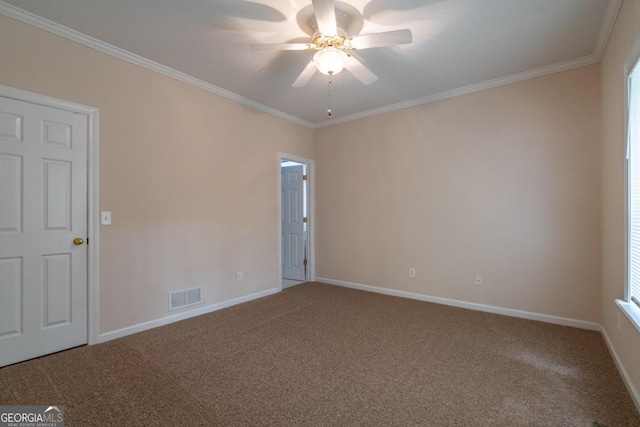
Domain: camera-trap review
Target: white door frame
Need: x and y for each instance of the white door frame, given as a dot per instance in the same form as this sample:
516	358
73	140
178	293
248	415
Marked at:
311	271
93	247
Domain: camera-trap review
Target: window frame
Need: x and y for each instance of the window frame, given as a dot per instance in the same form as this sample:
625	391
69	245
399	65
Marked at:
629	308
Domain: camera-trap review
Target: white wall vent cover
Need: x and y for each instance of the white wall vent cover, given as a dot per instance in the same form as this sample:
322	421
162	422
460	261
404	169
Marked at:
185	298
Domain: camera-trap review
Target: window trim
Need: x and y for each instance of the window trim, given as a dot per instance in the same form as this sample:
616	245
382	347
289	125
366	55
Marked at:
630	309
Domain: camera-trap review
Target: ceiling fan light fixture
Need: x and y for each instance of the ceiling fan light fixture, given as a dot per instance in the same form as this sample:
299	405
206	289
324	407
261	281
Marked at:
330	60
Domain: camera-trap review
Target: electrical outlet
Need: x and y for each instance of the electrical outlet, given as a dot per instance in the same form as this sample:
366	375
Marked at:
478	280
412	273
239	276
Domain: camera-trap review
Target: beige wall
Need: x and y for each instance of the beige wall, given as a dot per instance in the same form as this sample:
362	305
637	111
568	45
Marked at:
504	183
513	183
190	177
625	34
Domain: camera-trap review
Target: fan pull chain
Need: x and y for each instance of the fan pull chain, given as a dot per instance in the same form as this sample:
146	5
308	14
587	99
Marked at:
329	114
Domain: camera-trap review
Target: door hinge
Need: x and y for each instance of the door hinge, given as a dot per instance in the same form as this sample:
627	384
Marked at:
305	219
304	177
305	261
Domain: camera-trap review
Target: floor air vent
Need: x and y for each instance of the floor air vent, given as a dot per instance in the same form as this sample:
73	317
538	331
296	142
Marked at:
185	298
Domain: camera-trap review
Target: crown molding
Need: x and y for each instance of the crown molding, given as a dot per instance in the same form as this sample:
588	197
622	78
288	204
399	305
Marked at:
78	37
613	8
501	81
609	20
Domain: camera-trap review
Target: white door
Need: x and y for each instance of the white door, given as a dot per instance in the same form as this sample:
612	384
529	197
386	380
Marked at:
292	223
43	208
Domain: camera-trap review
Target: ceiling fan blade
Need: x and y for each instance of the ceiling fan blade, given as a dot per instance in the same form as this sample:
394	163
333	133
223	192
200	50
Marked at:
281	46
361	72
325	11
306	75
366	41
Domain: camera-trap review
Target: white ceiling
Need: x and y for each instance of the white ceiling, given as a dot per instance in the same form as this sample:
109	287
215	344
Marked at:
458	46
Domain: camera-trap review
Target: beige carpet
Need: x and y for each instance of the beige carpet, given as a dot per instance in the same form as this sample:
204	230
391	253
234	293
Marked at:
319	355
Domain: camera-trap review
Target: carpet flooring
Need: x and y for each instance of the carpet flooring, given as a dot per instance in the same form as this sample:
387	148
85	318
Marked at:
320	355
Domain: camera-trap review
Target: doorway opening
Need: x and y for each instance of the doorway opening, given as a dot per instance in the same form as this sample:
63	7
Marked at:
295	221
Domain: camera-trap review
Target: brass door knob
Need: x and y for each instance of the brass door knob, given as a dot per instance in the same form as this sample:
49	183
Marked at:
78	241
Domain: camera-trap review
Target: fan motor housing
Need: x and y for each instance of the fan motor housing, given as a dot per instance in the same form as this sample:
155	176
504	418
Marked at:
339	41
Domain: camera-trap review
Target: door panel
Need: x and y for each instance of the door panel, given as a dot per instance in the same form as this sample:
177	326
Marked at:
56	289
294	256
10	193
10	126
10	296
43	207
57	194
292	223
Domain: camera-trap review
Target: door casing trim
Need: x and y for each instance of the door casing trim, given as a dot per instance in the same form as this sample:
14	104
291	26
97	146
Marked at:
93	224
311	272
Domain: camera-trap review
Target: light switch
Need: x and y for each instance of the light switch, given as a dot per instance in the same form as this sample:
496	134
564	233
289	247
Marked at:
105	218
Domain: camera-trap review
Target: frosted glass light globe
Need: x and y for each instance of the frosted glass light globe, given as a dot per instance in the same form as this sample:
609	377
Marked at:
330	60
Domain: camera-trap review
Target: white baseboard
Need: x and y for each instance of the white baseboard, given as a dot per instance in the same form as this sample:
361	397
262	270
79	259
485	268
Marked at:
633	391
108	336
592	326
635	395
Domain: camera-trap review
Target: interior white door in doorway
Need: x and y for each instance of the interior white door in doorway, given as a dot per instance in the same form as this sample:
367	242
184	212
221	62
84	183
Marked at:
43	225
293	241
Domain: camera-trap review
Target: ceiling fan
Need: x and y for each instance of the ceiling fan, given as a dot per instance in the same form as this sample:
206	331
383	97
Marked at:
334	47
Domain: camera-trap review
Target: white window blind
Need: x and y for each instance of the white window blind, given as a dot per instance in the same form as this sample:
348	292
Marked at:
634	185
